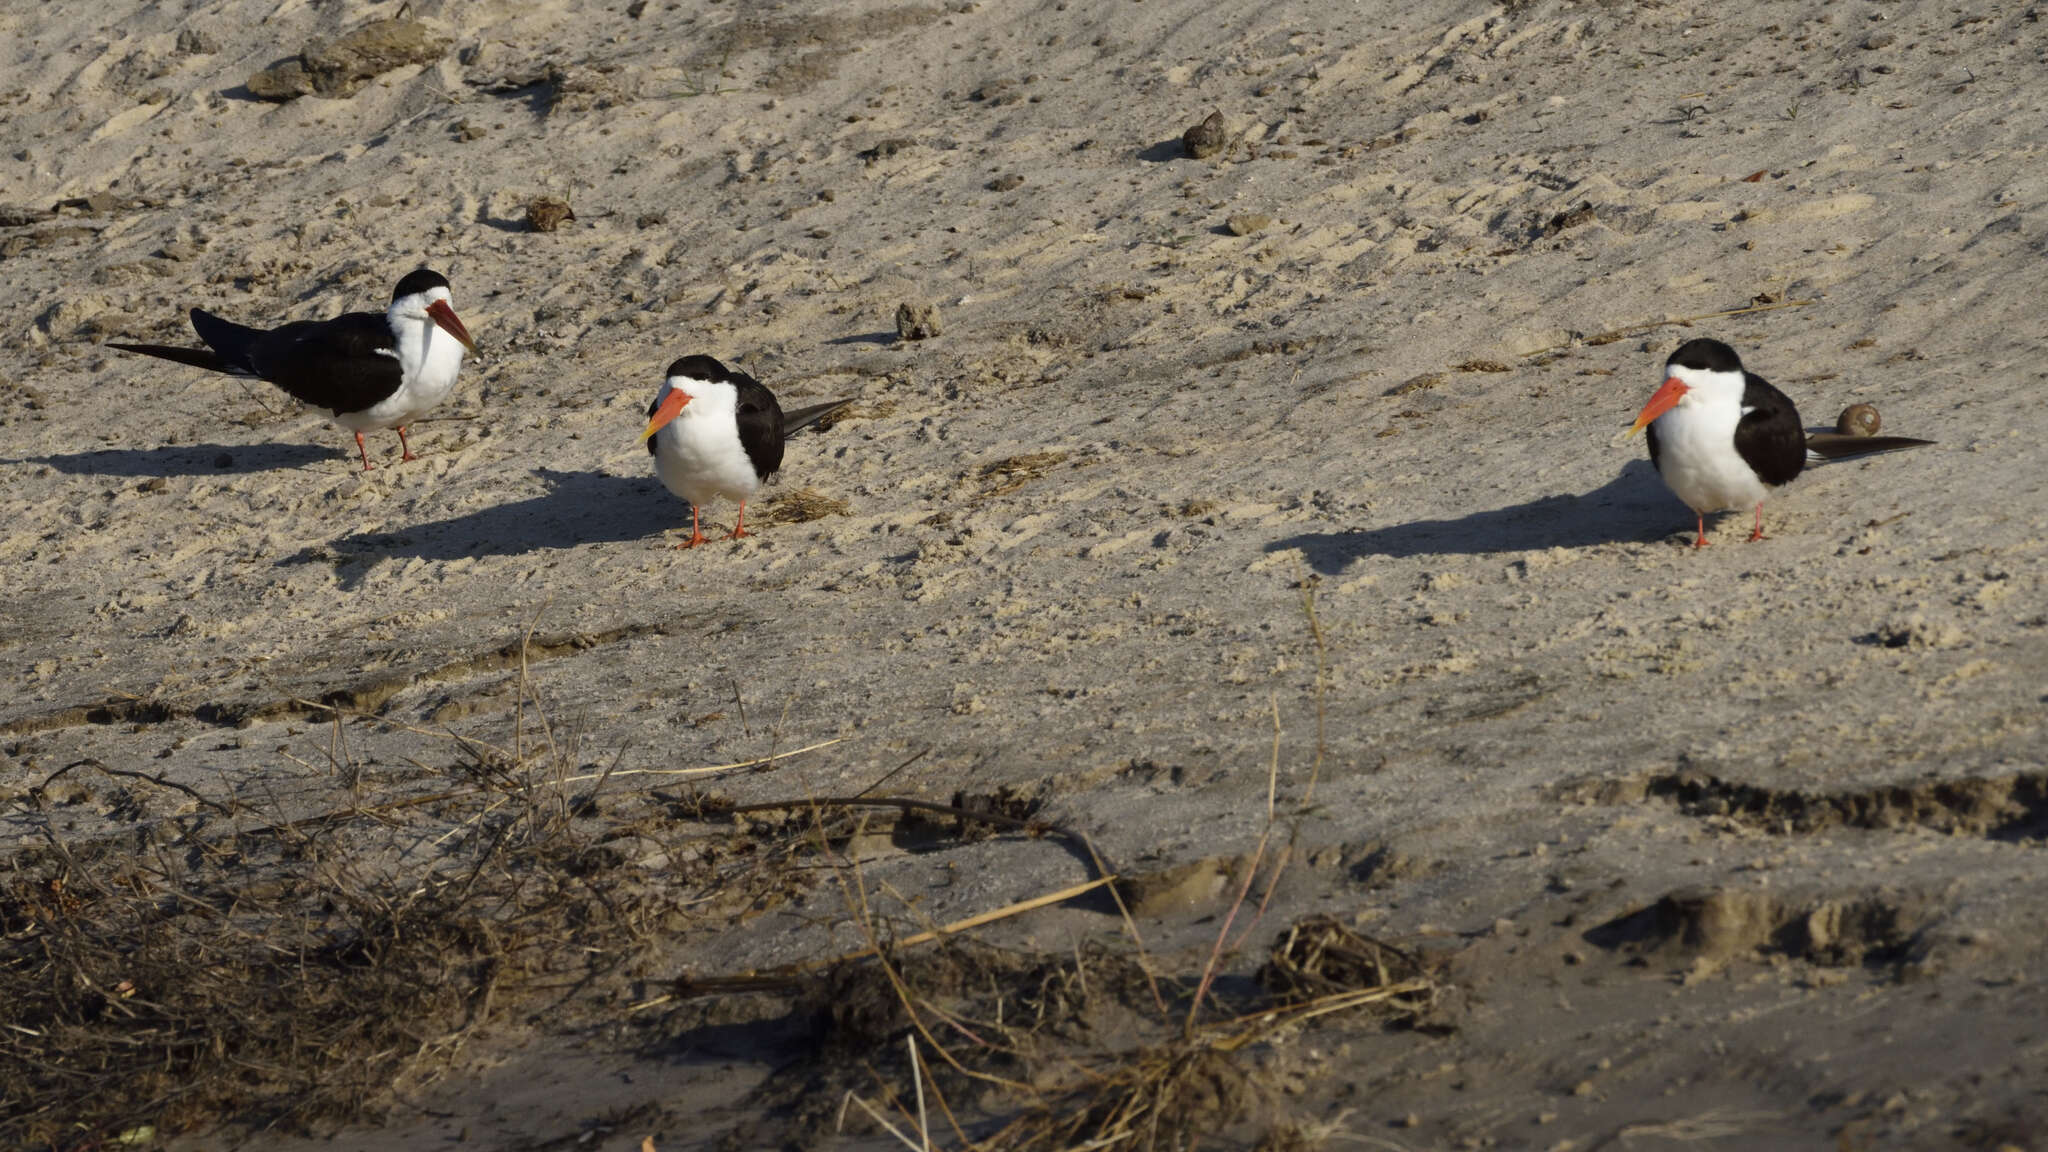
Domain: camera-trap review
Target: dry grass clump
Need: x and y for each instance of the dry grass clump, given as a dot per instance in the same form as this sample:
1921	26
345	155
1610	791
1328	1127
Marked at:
221	969
1320	957
1179	1092
270	978
1014	1050
139	1004
1014	472
803	506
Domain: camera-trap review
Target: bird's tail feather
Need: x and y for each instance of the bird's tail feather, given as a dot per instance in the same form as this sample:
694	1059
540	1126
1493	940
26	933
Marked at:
196	357
799	418
1821	447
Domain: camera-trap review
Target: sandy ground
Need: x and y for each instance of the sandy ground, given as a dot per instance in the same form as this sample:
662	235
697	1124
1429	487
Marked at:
1079	522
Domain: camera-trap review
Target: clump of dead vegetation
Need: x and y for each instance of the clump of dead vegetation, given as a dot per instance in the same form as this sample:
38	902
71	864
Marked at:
222	969
153	995
966	1045
940	1040
803	506
1012	472
232	966
282	973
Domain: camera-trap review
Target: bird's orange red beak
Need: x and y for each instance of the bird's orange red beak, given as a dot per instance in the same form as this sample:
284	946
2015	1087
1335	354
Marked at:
1663	400
444	316
671	407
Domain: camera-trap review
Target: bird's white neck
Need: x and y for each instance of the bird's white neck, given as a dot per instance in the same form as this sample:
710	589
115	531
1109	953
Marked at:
429	357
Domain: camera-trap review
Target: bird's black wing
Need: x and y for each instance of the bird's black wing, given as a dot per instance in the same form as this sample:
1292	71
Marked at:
760	420
346	364
1769	437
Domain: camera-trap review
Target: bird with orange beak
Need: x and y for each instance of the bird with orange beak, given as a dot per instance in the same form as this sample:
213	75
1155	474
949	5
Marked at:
714	431
1721	436
369	371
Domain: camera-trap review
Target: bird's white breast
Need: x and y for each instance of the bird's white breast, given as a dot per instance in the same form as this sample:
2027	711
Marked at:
698	455
1696	455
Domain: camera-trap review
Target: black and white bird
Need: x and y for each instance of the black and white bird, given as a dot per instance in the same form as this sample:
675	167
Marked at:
369	371
716	432
1722	437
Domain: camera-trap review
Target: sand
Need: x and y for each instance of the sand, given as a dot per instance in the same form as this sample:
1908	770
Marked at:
1382	347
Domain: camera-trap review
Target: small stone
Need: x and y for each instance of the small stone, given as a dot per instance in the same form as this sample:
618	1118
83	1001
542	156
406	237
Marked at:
1246	223
1205	139
224	460
1858	420
1006	183
287	81
1583	1088
1571	219
1914	630
917	321
1422	383
885	149
1877	40
546	213
650	220
1178	890
195	43
996	92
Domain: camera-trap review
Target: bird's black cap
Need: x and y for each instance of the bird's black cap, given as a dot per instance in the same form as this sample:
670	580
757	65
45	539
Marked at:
704	368
419	281
1705	355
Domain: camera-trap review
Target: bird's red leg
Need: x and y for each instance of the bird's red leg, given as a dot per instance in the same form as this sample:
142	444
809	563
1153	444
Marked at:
405	447
1759	533
739	523
696	531
1702	541
365	452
